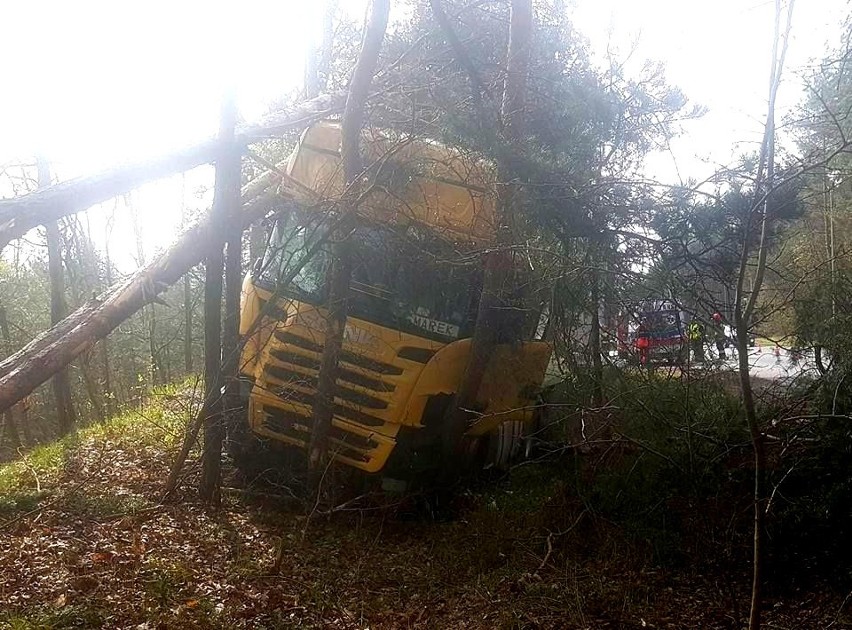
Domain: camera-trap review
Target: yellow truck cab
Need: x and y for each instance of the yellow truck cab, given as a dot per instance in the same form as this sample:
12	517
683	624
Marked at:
414	292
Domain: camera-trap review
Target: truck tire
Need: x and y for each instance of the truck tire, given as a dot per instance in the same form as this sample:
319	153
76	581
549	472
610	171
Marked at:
506	444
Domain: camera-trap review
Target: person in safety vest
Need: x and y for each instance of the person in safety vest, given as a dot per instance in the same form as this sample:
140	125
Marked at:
695	334
719	335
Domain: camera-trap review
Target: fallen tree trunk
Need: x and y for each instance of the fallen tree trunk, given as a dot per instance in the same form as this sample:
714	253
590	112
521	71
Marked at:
250	193
21	214
55	348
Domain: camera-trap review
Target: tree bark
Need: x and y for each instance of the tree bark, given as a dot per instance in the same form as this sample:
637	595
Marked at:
341	266
55	348
231	329
21	214
226	199
66	418
743	312
497	287
211	456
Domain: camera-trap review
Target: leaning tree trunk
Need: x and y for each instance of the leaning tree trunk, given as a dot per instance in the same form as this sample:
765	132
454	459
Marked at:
21	214
498	290
341	266
55	348
65	415
226	199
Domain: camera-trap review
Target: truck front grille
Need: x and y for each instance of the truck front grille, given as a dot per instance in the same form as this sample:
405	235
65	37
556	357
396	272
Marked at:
364	423
345	443
289	378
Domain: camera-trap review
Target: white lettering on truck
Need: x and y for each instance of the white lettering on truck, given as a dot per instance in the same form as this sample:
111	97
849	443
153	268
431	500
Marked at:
434	325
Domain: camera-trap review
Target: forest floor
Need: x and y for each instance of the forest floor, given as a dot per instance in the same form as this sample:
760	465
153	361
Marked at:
86	543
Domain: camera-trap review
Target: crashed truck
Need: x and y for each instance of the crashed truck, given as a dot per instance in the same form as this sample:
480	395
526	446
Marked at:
414	293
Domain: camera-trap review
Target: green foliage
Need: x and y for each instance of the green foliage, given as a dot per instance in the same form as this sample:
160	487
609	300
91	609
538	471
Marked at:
819	250
582	124
165	581
810	484
144	351
159	422
674	467
703	238
16	502
64	618
37	466
89	505
811	521
825	126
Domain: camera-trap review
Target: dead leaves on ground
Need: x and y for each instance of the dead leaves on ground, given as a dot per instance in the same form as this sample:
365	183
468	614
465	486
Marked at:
95	549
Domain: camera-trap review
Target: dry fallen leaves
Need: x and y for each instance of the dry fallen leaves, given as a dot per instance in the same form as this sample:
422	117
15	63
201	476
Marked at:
108	553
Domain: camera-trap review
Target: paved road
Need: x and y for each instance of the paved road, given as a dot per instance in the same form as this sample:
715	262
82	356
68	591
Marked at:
762	358
766	364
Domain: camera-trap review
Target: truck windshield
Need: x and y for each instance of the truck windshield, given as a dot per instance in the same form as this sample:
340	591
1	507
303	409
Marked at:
407	278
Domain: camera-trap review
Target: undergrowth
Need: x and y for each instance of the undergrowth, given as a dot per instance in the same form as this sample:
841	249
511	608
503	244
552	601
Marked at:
559	542
158	423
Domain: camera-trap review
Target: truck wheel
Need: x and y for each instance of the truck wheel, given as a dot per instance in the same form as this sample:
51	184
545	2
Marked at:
505	444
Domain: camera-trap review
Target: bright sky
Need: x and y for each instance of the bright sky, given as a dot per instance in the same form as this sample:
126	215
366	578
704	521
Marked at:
93	83
718	52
